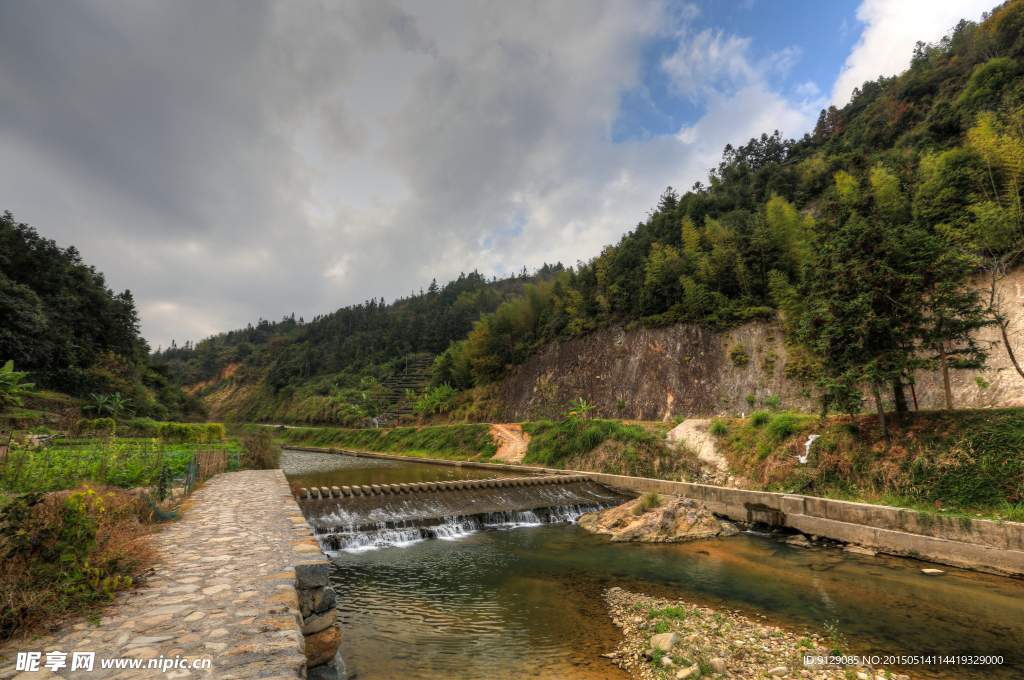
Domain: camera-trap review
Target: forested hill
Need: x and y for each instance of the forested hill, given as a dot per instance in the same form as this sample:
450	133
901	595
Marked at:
61	323
860	232
359	340
927	166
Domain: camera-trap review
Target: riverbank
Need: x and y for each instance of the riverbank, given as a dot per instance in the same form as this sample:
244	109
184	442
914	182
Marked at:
961	464
675	639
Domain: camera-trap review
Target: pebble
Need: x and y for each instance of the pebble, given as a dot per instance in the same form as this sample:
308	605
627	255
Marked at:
731	644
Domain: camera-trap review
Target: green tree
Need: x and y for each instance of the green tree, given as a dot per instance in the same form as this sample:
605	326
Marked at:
865	295
956	313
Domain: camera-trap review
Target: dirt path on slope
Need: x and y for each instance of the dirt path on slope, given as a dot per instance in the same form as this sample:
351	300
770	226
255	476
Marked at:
512	443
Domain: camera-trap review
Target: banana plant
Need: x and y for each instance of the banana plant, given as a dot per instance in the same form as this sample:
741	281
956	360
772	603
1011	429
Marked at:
11	385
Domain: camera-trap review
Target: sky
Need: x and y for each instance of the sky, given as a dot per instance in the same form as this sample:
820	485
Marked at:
239	159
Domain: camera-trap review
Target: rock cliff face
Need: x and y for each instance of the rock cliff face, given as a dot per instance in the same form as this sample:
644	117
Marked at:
676	520
691	372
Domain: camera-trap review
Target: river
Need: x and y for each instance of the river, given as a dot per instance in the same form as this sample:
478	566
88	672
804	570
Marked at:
525	601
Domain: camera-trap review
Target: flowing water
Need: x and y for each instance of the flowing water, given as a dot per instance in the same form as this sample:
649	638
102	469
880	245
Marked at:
523	598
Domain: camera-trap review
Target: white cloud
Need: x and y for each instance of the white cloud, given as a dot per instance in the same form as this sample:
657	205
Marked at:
304	157
891	29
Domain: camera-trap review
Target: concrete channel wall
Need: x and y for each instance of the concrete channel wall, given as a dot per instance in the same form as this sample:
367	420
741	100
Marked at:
983	545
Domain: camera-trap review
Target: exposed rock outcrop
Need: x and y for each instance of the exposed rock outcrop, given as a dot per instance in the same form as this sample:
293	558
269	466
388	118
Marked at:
674	521
684	370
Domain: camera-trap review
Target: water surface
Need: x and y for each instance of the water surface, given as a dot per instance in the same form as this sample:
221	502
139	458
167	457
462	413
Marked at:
526	602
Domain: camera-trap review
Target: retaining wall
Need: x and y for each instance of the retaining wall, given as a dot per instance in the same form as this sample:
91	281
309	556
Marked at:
983	545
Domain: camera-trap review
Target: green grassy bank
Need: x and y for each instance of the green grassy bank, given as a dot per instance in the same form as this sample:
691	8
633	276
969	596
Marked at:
451	442
598	445
969	461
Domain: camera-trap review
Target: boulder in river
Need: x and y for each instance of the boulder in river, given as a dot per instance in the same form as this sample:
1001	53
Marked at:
675	520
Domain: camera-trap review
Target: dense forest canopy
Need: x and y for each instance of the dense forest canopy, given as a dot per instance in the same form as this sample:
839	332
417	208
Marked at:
353	340
61	323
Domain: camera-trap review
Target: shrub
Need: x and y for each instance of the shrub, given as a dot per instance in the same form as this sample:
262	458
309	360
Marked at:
751	399
260	451
718	428
185	433
146	427
771	401
214	432
782	426
739	355
440	399
759	418
65	553
650	501
96	425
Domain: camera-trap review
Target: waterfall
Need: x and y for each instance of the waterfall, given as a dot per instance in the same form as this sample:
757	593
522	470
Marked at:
356	538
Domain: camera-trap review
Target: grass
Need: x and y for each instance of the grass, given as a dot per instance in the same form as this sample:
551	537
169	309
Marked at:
967	461
668	613
555	443
457	442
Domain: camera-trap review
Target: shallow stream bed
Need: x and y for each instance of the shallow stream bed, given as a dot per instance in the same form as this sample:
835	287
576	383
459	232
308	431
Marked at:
525	602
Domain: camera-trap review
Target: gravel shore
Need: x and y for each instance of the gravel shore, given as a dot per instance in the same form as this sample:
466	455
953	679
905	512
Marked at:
691	642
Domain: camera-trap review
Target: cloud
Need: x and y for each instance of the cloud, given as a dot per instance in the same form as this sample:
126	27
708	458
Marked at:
227	161
891	30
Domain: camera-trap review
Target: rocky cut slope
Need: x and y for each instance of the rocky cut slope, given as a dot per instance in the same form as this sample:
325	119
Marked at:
688	371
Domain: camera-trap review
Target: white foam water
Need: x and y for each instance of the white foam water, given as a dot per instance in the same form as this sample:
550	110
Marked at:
402	534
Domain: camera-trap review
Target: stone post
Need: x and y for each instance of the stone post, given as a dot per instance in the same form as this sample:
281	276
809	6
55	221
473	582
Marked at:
317	605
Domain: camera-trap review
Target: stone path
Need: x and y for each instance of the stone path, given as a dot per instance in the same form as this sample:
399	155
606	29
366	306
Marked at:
224	590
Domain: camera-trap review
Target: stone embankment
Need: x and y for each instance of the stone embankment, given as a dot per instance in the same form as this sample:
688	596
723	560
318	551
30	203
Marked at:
667	639
224	591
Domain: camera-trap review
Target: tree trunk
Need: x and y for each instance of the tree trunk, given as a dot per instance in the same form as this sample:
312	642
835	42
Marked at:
913	393
945	376
881	415
1009	350
900	397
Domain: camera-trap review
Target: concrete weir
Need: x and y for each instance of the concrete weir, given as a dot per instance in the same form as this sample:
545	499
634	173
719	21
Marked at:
982	545
391	514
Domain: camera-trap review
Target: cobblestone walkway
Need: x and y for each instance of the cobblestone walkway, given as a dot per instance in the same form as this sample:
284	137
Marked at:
224	590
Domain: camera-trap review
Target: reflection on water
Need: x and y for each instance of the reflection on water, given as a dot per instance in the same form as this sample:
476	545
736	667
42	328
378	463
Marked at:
526	602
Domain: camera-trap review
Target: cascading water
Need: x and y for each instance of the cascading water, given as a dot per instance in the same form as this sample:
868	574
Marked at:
402	533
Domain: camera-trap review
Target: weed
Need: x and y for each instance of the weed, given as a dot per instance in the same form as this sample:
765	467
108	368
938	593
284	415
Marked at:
261	453
669	613
783	426
718	428
836	641
771	401
66	553
650	500
739	356
759	418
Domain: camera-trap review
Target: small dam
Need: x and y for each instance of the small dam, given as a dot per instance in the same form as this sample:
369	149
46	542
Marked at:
381	515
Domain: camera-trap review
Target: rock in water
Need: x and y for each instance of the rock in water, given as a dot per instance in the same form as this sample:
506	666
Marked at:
676	520
728	528
932	572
